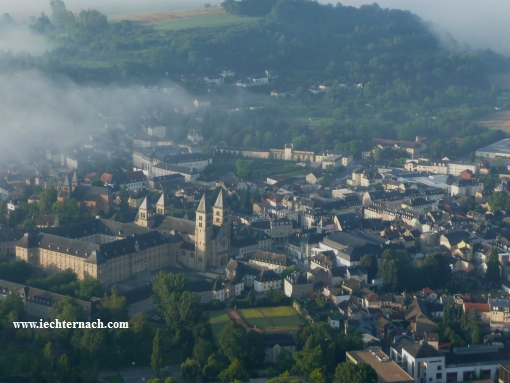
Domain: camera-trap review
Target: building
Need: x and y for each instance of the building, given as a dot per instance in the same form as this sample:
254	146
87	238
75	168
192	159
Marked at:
273	261
500	314
387	370
38	303
289	154
296	285
96	200
276	343
111	251
500	149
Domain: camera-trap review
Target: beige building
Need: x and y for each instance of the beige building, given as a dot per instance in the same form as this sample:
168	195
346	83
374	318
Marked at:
111	251
387	370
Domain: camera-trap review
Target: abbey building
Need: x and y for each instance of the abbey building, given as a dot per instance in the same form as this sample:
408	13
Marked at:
111	251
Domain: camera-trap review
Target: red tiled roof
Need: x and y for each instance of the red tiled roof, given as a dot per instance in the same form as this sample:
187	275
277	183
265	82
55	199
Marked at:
480	307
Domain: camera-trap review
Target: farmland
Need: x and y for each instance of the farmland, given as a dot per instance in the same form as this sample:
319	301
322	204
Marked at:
186	19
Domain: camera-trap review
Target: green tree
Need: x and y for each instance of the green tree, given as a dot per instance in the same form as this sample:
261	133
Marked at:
498	201
438	265
355	373
113	307
396	270
493	272
97	183
233	342
89	287
234	372
157	353
190	370
214	366
256	349
242	168
203	349
370	262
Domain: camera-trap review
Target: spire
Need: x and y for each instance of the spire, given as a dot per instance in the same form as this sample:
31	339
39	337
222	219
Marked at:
161	201
221	201
75	178
66	181
145	204
202	205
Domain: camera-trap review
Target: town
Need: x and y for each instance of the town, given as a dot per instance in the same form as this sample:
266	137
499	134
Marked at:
275	191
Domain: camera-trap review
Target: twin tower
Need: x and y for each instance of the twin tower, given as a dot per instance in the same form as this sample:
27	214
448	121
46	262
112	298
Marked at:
210	245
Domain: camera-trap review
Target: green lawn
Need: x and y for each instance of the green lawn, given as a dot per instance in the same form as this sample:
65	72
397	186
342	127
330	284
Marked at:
218	316
206	21
250	313
287	322
261	323
277	311
217	327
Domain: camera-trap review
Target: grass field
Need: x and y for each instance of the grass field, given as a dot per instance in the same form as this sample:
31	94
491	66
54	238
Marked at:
498	120
250	313
271	318
218	319
185	19
207	21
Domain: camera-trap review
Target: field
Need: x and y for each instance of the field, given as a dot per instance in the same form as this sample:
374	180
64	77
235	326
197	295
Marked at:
274	319
271	318
186	19
218	320
498	120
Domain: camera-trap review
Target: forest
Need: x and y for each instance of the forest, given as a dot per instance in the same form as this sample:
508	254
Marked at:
388	75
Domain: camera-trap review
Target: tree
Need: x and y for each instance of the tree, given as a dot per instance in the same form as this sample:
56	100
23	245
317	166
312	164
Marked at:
97	183
370	262
233	342
123	201
214	366
113	307
234	372
203	349
190	370
396	269
165	284
309	360
256	349
157	353
242	168
438	265
493	272
355	373
498	201
89	287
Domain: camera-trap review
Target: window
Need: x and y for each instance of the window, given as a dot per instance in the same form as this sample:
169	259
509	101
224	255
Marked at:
439	376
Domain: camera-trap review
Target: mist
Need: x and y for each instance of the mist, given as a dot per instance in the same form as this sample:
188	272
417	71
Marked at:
473	23
37	112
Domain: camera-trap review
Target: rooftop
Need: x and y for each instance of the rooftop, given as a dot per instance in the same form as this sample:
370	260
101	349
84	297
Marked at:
387	370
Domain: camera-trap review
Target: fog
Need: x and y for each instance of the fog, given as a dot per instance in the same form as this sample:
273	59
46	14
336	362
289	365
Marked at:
37	112
479	24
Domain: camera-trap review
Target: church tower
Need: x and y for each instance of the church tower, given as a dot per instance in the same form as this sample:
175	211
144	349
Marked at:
144	217
222	233
74	182
203	234
160	206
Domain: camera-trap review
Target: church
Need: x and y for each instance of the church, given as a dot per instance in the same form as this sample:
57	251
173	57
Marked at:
112	251
200	244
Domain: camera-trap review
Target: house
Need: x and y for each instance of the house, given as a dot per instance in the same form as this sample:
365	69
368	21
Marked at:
483	309
500	314
208	289
38	303
314	178
275	343
296	285
273	261
387	370
267	280
425	363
